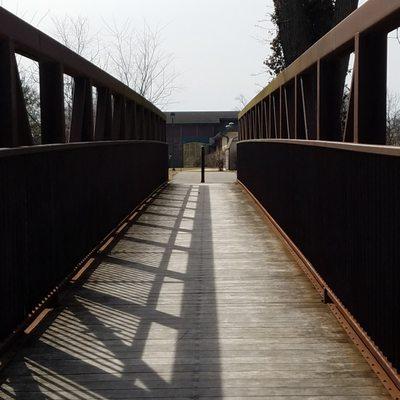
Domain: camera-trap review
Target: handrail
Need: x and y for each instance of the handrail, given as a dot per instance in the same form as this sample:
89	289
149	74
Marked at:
370	14
304	86
337	205
38	46
58	202
328	178
54	147
131	110
355	147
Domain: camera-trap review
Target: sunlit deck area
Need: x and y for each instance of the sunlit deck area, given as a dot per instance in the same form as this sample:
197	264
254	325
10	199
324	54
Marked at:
199	299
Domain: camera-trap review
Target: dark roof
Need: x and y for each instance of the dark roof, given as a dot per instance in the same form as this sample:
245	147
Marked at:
200	117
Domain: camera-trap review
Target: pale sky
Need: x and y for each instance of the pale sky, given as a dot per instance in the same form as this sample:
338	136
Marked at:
217	44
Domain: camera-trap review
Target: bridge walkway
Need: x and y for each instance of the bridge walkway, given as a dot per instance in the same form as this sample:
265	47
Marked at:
198	300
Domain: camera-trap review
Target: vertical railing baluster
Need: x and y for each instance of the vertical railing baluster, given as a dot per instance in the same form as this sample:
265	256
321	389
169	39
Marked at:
254	133
145	124
52	102
118	125
103	115
134	121
280	115
370	80
82	111
128	119
8	103
318	114
296	108
269	116
14	122
164	130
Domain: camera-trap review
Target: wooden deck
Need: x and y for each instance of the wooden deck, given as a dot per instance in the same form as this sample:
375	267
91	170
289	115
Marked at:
199	300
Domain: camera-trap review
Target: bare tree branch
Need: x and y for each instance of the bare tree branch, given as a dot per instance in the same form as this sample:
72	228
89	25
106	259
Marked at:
75	33
139	61
242	102
393	119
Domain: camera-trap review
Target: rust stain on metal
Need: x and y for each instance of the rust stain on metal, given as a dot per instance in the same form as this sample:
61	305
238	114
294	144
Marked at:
38	320
82	270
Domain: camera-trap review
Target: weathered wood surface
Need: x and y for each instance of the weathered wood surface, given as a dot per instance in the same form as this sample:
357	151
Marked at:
198	300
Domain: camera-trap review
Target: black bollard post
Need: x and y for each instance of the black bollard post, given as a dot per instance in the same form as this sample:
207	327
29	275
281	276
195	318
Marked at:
203	163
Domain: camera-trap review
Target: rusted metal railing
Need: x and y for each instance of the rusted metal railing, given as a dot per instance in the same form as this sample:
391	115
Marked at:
121	112
329	183
58	200
298	104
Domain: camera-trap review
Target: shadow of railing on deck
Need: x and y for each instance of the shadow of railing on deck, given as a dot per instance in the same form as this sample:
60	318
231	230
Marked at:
144	323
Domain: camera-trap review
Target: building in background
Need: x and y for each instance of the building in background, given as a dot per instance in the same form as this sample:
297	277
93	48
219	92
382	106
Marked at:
188	131
223	148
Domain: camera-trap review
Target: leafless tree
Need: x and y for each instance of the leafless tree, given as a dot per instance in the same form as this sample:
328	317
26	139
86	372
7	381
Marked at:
134	56
393	119
75	33
32	104
138	59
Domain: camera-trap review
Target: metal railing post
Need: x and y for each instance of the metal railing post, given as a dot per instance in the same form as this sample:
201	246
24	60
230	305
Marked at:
203	162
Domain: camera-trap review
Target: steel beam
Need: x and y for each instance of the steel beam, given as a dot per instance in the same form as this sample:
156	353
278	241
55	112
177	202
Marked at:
52	103
370	88
103	115
82	111
14	123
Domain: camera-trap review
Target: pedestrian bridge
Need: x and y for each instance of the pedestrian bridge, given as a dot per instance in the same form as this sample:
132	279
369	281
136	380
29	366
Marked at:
280	283
198	298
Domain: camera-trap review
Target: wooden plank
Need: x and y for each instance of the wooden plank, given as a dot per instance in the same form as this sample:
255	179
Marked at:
199	299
